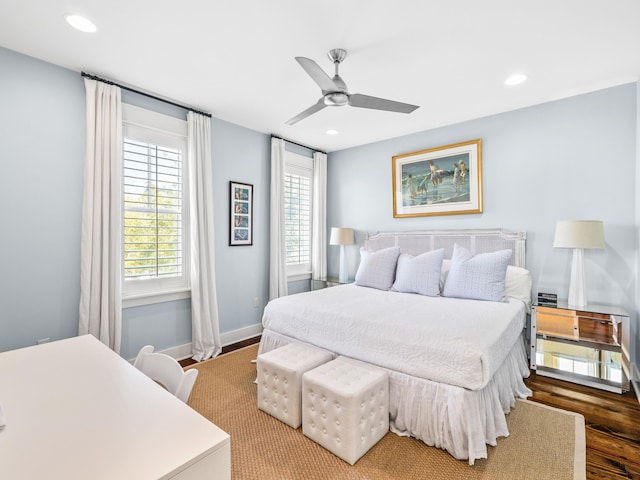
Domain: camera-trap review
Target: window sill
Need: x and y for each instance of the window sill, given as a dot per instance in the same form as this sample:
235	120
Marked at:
151	298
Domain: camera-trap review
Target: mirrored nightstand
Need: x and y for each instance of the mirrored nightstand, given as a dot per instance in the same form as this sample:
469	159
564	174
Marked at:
589	346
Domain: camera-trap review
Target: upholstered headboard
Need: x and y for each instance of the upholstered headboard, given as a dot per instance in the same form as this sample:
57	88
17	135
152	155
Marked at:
476	241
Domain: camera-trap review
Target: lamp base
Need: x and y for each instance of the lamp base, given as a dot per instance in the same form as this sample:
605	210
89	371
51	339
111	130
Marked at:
343	277
577	283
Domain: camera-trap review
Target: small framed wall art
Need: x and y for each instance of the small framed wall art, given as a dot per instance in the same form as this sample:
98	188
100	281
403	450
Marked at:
439	181
240	214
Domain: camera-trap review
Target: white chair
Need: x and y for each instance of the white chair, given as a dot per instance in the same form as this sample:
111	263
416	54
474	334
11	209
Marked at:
166	371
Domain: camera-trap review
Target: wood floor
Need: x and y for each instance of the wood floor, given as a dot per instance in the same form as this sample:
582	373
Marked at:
612	421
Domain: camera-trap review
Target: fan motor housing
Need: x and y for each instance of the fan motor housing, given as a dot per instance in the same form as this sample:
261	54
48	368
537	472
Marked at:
336	99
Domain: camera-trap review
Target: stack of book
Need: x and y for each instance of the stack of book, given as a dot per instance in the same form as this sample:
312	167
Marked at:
547	299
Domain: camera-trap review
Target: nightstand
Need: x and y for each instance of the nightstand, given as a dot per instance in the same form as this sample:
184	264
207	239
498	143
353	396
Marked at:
318	283
589	346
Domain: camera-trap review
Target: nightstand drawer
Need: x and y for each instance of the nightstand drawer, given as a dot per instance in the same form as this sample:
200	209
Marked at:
557	323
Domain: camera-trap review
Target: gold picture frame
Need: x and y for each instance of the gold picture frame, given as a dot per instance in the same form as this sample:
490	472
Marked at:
438	181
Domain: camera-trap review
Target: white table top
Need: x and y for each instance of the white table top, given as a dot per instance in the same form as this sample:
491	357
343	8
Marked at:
76	410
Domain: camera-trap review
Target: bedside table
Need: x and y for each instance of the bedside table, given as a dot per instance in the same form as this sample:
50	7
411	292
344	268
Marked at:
318	283
589	346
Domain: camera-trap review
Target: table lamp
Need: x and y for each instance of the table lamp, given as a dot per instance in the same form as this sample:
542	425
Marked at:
342	236
578	235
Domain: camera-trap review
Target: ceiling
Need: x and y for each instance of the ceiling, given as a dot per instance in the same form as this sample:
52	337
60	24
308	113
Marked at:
235	58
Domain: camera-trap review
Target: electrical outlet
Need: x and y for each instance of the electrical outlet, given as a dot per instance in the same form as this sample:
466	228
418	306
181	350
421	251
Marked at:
43	340
256	302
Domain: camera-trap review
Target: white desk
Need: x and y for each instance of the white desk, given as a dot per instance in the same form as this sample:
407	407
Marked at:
76	410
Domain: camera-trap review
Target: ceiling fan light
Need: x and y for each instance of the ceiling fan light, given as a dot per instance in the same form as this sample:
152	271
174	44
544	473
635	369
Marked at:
332	131
336	99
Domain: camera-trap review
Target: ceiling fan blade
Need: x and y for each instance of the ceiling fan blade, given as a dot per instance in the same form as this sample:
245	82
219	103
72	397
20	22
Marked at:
317	74
366	101
316	107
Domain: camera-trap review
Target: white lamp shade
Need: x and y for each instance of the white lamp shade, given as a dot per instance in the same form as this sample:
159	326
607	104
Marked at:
579	234
341	236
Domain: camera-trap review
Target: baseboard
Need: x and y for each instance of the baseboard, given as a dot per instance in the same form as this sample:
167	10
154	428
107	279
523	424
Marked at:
240	334
180	352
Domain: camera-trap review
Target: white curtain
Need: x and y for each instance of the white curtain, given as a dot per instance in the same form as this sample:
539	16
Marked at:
319	217
204	304
101	254
277	253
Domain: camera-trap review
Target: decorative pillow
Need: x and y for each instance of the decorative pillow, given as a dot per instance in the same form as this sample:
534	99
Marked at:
419	274
479	277
377	269
446	265
517	284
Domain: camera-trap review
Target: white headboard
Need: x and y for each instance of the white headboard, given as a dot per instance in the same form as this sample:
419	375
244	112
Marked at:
476	241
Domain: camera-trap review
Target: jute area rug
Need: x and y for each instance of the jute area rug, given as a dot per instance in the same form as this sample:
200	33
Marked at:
544	443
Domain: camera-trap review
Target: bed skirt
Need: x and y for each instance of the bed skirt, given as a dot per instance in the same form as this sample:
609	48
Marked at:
452	418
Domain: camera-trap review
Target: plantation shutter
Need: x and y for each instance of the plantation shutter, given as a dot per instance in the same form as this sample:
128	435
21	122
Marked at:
153	213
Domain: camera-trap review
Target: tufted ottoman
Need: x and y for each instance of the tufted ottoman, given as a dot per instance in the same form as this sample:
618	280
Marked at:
279	379
345	407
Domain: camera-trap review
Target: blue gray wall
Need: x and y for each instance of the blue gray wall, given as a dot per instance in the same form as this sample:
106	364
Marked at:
42	130
569	159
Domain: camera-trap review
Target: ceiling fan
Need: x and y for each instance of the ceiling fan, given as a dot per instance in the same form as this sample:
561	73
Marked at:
336	94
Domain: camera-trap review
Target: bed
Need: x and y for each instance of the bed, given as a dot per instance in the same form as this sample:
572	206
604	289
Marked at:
456	365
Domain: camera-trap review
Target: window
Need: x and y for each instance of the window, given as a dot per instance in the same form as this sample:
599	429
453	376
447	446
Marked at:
155	198
297	214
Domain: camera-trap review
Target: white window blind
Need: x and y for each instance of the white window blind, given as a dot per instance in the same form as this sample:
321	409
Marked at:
297	216
155	260
152	211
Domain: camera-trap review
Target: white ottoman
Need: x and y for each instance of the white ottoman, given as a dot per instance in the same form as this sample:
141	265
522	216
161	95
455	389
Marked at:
345	407
279	379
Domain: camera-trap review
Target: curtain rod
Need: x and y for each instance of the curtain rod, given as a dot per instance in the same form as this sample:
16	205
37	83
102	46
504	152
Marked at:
296	143
109	82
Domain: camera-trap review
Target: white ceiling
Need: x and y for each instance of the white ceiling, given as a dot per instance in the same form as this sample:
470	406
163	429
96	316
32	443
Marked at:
235	58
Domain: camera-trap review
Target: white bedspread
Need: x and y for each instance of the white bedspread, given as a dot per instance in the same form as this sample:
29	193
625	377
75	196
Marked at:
453	341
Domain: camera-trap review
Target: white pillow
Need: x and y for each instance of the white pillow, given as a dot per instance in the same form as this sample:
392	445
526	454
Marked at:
377	269
517	284
419	274
479	277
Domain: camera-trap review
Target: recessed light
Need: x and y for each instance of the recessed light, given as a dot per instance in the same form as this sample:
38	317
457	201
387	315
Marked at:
516	79
332	132
81	23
